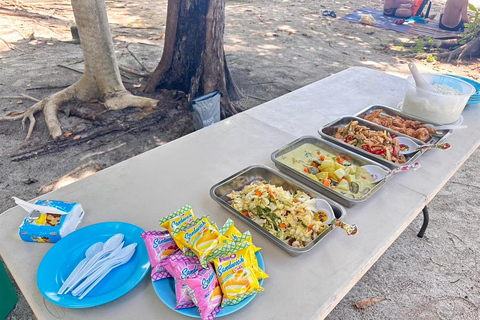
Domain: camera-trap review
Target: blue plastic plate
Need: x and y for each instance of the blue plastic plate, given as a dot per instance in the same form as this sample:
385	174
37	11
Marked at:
475	98
63	257
165	290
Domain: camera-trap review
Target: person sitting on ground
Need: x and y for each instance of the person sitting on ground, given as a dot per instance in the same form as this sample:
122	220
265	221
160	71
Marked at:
398	8
454	16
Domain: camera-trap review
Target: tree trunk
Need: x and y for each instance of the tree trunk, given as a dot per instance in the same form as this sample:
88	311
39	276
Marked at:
101	79
193	57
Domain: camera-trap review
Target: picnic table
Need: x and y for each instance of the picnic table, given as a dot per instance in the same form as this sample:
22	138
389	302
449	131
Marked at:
147	187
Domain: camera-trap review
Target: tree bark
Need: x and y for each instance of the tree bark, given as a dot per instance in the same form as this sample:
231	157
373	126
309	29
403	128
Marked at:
101	79
193	57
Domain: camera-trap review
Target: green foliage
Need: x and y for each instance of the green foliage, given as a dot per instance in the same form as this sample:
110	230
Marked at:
431	58
472	29
420	46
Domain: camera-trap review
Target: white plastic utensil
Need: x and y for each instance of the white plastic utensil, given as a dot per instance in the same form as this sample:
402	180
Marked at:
447	127
123	256
324	207
379	174
420	82
89	254
110	245
408	146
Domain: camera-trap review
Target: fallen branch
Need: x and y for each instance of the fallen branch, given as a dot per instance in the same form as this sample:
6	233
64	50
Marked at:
48	87
102	152
139	62
69	68
126	69
258	98
23	96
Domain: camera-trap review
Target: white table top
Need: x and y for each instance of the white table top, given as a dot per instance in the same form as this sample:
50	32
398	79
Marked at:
147	187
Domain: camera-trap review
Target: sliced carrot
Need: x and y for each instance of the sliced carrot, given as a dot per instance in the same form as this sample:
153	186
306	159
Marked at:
271	195
283	225
322	158
294	201
245	213
339	160
310	227
306	170
313	164
319	153
326	182
258	193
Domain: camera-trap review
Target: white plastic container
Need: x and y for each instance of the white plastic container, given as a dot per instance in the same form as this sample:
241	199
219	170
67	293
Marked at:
438	108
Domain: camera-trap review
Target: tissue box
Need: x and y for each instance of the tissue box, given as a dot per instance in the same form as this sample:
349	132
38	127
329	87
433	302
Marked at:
49	220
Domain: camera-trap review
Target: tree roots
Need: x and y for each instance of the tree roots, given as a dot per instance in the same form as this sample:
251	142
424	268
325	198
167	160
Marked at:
49	107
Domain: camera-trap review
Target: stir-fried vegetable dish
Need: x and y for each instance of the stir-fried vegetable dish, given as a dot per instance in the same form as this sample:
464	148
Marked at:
293	218
376	142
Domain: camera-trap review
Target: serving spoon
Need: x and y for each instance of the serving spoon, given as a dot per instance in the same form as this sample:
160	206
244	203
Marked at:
379	174
408	146
327	216
420	82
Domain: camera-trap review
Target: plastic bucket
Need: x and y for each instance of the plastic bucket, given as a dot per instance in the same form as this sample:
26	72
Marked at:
8	297
435	107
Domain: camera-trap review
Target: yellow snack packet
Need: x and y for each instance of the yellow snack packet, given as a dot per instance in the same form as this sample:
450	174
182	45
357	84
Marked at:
200	236
229	230
235	274
179	218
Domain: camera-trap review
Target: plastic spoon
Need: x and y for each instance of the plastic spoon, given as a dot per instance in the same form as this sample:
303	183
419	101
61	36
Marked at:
447	127
379	174
420	82
408	146
110	245
123	256
325	211
89	253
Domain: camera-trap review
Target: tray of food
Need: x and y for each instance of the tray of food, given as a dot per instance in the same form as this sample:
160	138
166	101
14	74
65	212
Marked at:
330	169
404	123
371	140
291	215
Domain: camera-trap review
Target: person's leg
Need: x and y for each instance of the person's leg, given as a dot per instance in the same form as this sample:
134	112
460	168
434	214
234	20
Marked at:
459	26
454	14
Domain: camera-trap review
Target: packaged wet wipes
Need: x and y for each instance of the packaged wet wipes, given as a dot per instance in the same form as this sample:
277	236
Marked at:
235	273
49	220
205	292
159	245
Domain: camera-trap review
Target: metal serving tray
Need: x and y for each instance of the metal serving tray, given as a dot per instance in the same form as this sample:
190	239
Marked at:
254	173
328	131
335	150
437	138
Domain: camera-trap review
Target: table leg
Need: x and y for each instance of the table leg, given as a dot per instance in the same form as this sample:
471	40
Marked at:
425	222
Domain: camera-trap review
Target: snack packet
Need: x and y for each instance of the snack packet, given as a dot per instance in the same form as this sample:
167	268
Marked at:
235	274
230	231
180	267
205	292
49	220
178	219
201	237
159	245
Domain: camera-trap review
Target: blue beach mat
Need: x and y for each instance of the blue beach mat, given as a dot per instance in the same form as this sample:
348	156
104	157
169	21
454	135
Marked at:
385	22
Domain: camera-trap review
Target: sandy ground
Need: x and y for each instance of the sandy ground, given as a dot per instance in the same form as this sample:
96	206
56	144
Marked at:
272	47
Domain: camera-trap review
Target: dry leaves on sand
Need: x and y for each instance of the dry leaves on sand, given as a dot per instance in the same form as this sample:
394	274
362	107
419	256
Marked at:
368	302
